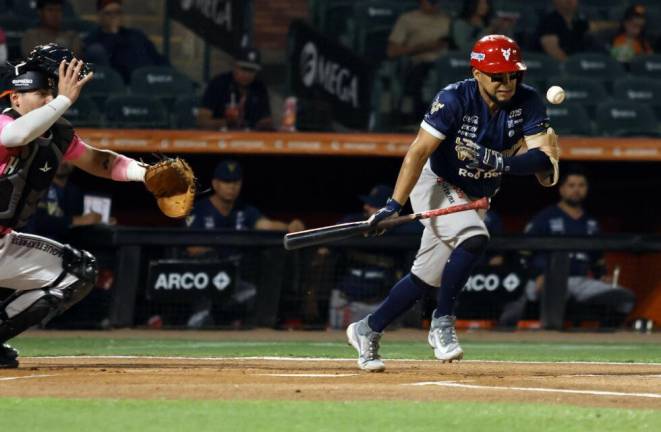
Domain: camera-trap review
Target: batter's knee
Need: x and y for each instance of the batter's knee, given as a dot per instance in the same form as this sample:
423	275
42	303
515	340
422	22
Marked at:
420	283
475	245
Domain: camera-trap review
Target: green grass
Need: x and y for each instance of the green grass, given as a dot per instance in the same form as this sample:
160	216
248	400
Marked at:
519	351
53	415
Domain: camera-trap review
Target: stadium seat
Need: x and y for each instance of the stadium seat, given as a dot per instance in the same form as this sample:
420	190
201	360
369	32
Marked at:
84	113
541	68
641	90
133	111
106	82
183	114
14	27
626	119
595	66
648	66
373	43
163	82
581	90
333	17
453	66
371	18
569	119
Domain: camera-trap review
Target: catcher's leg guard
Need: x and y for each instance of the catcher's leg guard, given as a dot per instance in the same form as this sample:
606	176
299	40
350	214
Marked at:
23	309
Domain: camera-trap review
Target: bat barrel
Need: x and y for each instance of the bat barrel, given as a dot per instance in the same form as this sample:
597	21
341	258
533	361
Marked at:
324	235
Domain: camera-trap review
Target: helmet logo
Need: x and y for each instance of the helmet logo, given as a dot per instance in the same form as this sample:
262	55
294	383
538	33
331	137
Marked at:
506	53
477	56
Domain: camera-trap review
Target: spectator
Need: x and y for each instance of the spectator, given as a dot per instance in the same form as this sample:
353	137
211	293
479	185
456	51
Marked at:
422	35
588	285
4	56
631	40
124	49
564	31
237	99
61	208
476	20
364	275
223	210
50	29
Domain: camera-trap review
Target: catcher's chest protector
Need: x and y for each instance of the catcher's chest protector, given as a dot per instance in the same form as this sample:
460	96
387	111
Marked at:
30	171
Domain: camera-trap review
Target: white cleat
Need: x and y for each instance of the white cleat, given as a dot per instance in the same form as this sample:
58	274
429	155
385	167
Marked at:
366	342
443	339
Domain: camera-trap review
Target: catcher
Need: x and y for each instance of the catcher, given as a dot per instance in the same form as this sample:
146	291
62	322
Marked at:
48	277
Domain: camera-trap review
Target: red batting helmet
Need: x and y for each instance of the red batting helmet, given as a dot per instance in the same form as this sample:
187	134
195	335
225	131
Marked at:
497	54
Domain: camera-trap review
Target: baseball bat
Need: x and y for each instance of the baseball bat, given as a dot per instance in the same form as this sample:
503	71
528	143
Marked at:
343	231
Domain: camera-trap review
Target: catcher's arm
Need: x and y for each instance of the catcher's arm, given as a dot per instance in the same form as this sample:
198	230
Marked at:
108	164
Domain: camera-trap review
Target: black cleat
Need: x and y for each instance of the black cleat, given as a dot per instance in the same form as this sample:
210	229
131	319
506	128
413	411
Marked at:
8	357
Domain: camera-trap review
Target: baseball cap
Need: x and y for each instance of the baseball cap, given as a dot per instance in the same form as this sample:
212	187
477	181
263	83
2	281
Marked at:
249	58
101	4
228	171
378	196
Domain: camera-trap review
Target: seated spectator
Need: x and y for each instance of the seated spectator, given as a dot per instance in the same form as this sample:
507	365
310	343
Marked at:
61	208
223	210
123	49
4	56
476	20
363	276
237	99
50	29
588	286
631	40
422	35
564	31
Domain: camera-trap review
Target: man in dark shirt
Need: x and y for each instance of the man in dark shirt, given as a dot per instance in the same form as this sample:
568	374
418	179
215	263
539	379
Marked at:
124	49
564	31
237	99
587	284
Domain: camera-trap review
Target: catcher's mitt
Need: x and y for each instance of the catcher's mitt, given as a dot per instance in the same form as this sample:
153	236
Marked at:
173	184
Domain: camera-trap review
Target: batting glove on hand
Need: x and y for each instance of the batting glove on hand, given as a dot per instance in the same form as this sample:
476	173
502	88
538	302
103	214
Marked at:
486	158
391	209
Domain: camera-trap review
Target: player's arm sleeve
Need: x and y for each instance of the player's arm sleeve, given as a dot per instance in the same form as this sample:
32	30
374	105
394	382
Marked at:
27	128
443	115
541	141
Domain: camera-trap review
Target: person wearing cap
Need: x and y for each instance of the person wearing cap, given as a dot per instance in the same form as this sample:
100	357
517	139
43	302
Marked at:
631	40
423	35
237	99
46	277
50	29
475	131
224	210
124	49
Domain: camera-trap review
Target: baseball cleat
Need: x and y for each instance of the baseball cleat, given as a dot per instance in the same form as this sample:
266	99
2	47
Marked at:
366	342
443	339
8	357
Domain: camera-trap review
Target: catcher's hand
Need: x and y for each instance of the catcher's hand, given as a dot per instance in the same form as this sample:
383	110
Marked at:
172	182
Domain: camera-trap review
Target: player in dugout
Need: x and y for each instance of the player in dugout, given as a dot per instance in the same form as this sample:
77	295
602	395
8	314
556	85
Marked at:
46	277
475	131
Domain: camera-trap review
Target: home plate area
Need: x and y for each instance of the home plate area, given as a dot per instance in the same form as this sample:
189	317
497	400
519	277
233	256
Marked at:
589	384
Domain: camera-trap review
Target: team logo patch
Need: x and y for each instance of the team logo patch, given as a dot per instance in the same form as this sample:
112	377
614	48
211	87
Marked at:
435	107
477	56
506	53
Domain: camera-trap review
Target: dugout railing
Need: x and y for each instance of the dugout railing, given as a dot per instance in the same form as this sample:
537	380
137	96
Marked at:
131	250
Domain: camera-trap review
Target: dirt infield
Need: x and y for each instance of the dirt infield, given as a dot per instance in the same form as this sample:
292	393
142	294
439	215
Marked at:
591	384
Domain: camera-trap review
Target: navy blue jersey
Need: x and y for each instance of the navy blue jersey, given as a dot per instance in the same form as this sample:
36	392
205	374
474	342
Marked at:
206	216
552	221
459	114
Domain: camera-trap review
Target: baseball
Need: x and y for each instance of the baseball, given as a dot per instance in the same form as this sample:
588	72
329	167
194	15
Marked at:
555	95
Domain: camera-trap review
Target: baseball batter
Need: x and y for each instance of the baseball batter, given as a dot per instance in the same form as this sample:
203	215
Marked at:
475	131
47	277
